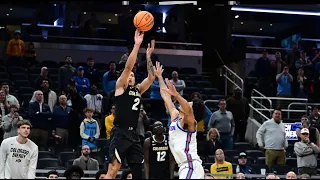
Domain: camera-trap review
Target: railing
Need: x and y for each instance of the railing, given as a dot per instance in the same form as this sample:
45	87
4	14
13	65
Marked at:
307	105
228	71
261	115
261	103
285	106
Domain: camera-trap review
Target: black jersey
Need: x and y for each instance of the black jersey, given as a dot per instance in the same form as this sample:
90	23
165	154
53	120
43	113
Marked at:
159	159
127	108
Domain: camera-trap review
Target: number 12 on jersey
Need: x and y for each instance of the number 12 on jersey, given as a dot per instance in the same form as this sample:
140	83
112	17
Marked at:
161	156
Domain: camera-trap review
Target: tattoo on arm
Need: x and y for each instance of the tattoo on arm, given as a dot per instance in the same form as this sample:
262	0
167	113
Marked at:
150	66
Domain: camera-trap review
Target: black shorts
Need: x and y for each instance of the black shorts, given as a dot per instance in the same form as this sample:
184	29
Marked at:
125	144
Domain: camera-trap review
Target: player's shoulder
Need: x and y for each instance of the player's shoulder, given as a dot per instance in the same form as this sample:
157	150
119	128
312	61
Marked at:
32	144
8	140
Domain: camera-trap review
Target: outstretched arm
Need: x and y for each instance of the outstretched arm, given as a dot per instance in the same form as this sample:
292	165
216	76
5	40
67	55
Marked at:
122	80
146	83
165	96
187	109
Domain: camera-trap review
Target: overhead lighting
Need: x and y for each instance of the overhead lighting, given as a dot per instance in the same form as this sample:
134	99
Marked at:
7	14
199	9
109	19
241	22
55	4
270	24
253	36
237	16
260	29
177	2
84	12
115	14
164	16
11	9
277	11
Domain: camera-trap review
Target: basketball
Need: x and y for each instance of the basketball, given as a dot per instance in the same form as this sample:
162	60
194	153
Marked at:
143	21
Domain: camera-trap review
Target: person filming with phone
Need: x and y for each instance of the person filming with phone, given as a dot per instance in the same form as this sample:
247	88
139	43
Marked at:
10	122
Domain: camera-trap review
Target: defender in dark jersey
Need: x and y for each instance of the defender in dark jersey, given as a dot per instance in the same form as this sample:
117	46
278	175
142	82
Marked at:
158	160
124	140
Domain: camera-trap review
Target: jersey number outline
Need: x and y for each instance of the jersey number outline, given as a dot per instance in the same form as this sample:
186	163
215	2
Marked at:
161	156
135	105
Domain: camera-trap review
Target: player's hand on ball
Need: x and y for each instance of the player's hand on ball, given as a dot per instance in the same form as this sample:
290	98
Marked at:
138	37
150	49
171	89
158	69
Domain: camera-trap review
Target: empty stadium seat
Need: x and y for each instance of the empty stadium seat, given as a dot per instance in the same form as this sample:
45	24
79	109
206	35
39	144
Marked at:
48	162
69	163
231	153
210	159
195	77
261	160
35	70
101	142
210	91
282	169
169	69
65	156
188	71
188	83
45	154
14	70
2	69
22	83
53	72
242	146
26	90
102	66
291	162
255	153
49	64
190	90
100	157
4	75
203	84
257	168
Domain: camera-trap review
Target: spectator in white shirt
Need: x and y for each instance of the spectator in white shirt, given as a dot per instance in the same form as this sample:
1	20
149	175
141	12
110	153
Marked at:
10	98
49	97
94	100
178	83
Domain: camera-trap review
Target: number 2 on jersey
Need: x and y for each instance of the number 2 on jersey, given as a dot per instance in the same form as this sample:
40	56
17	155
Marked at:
135	105
161	156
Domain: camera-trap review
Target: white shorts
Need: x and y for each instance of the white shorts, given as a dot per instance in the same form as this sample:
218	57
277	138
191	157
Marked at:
191	170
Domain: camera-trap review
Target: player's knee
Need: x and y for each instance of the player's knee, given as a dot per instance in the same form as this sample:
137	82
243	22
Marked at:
136	169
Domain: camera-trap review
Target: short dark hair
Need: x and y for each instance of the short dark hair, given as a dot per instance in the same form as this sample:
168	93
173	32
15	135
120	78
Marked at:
315	107
71	169
89	59
4	84
88	110
125	173
45	79
23	122
199	109
98	174
52	172
277	109
195	93
222	99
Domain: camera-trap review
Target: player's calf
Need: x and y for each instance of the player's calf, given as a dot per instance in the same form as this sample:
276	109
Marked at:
113	169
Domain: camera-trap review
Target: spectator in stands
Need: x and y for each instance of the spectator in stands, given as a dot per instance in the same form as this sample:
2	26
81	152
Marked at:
91	72
126	174
73	172
224	122
39	114
30	55
239	107
178	83
143	123
304	63
302	84
314	133
240	176
284	81
52	174
315	58
94	100
4	105
66	72
221	166
16	48
10	122
271	137
109	125
61	119
305	176
291	175
243	167
213	141
293	56
101	174
278	64
43	75
11	99
314	117
157	105
202	124
264	72
125	56
110	78
307	153
85	162
1	129
82	83
89	130
49	97
271	176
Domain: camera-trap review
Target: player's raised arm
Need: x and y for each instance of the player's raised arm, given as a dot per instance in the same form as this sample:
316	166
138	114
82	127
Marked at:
187	109
146	83
122	80
165	96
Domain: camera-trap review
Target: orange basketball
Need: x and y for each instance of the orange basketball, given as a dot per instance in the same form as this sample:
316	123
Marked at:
143	21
